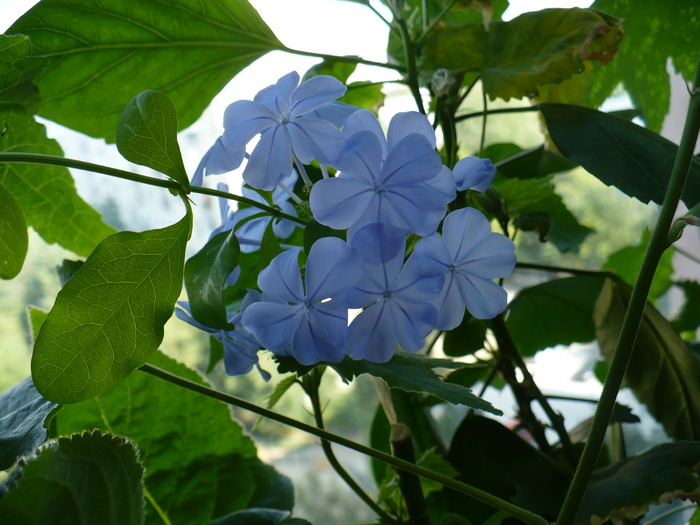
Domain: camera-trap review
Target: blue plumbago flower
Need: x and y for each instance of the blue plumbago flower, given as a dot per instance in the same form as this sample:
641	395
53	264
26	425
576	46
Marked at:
219	159
275	113
240	346
396	181
310	322
474	173
399	296
470	255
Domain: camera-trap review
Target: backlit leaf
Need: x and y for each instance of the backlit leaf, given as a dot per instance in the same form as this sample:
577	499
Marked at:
17	71
14	240
109	317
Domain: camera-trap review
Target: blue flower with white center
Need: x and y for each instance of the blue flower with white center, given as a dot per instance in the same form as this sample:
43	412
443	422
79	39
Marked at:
398	296
385	181
275	114
240	347
470	255
309	322
474	173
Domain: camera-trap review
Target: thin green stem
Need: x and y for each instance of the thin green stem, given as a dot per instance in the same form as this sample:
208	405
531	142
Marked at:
339	58
562	269
429	29
483	121
630	326
687	254
500	111
680	225
39	158
493	501
411	69
311	385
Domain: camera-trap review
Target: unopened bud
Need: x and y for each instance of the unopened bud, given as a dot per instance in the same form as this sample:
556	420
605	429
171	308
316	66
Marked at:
442	81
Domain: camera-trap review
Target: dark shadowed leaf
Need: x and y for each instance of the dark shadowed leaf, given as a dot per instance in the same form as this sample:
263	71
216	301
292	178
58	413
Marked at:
102	55
205	275
109	317
688	319
147	135
14	240
47	194
660	357
22	415
89	478
557	312
259	516
466	339
17	70
315	231
622	491
619	153
534	163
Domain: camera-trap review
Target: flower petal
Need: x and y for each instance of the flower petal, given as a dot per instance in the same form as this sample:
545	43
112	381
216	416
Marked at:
282	278
416	207
332	268
363	157
371	335
273	324
341	201
322	334
334	112
281	91
493	257
463	230
270	161
315	92
316	139
413	159
217	160
474	173
413	320
365	120
403	124
484	299
243	120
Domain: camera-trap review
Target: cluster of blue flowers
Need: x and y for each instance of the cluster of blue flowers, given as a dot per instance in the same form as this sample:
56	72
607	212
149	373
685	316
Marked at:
384	188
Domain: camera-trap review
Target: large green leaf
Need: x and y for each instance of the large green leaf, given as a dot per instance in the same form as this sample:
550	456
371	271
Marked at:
663	373
109	317
545	47
89	478
688	319
624	490
14	240
22	415
414	373
557	312
259	516
147	135
47	194
17	71
103	54
205	275
199	462
619	153
533	163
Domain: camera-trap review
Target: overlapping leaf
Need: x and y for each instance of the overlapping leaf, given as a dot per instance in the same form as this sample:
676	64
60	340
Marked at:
101	55
90	478
14	240
109	317
17	71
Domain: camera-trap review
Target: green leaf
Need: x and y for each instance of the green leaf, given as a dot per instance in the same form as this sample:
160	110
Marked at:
688	319
533	163
147	135
259	517
557	312
37	316
47	194
545	47
414	373
280	389
17	71
189	443
459	49
67	269
624	490
466	339
216	353
660	357
619	153
89	478
22	415
626	263
205	275
563	229
102	55
315	230
109	317
364	95
14	240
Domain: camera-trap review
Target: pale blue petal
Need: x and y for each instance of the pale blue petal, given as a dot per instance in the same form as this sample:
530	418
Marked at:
464	229
493	257
365	120
379	243
334	112
341	201
243	120
363	157
444	182
413	159
284	228
421	278
449	304
433	247
413	322
270	161
219	159
403	124
484	299
273	324
474	173
315	92
281	91
316	139
322	334
416	207
332	268
239	356
371	335
282	278
184	315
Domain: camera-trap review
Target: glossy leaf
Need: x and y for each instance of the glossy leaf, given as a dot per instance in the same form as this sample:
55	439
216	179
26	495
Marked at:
89	478
199	462
545	47
414	373
619	153
102	55
22	415
109	317
147	135
660	357
14	240
557	312
18	66
47	194
205	275
624	490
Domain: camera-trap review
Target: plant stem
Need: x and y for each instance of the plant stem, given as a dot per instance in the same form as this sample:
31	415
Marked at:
409	484
338	58
563	269
496	112
633	316
40	158
411	69
312	386
427	30
478	494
